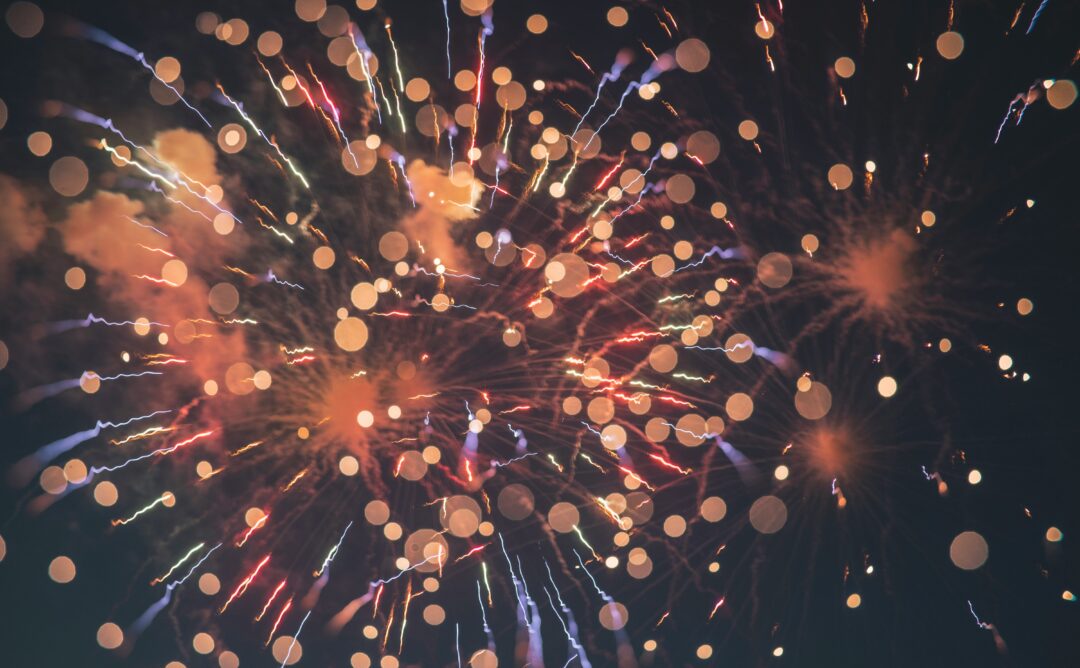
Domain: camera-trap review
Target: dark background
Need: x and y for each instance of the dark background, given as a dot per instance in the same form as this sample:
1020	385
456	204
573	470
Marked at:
1023	437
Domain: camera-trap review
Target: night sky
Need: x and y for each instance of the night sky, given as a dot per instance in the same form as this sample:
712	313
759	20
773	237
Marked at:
839	296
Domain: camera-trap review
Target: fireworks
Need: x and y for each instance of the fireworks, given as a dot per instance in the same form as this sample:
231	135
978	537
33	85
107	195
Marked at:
423	339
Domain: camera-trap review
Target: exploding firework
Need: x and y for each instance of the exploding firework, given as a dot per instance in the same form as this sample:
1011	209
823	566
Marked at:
387	342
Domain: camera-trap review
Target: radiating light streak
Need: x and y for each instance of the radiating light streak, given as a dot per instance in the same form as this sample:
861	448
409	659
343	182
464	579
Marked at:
1035	18
269	601
156	453
146	433
277	622
177	564
78	29
242	450
485	32
614	73
724	253
446	16
333	552
270	142
259	523
581	536
295	636
670	465
145	509
242	587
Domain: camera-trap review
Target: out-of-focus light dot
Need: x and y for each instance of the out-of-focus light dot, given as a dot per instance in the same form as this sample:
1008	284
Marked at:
854	601
810	243
748	130
323	257
53	480
253	515
928	218
968	550
557	189
1025	306
840	176
667	222
501	75
90	382
392	531
781	472
174	271
224	223
974	476
39	143
1068	596
262	379
370	632
950	45
1005	362
945	345
287	650
612	562
223	298
365	418
1054	535
167	69
394	412
25	19
351	334
62	570
871	166
69	176
674	526
390	661
845	68
536	24
310	10
714	567
649	646
228	659
210	387
366	5
887	386
402	563
203	643
431	454
269	43
349	465
538	85
203	469
617	16
168	499
779	651
1061	94
75	471
110	636
105	494
704	652
768	514
75	278
669	150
